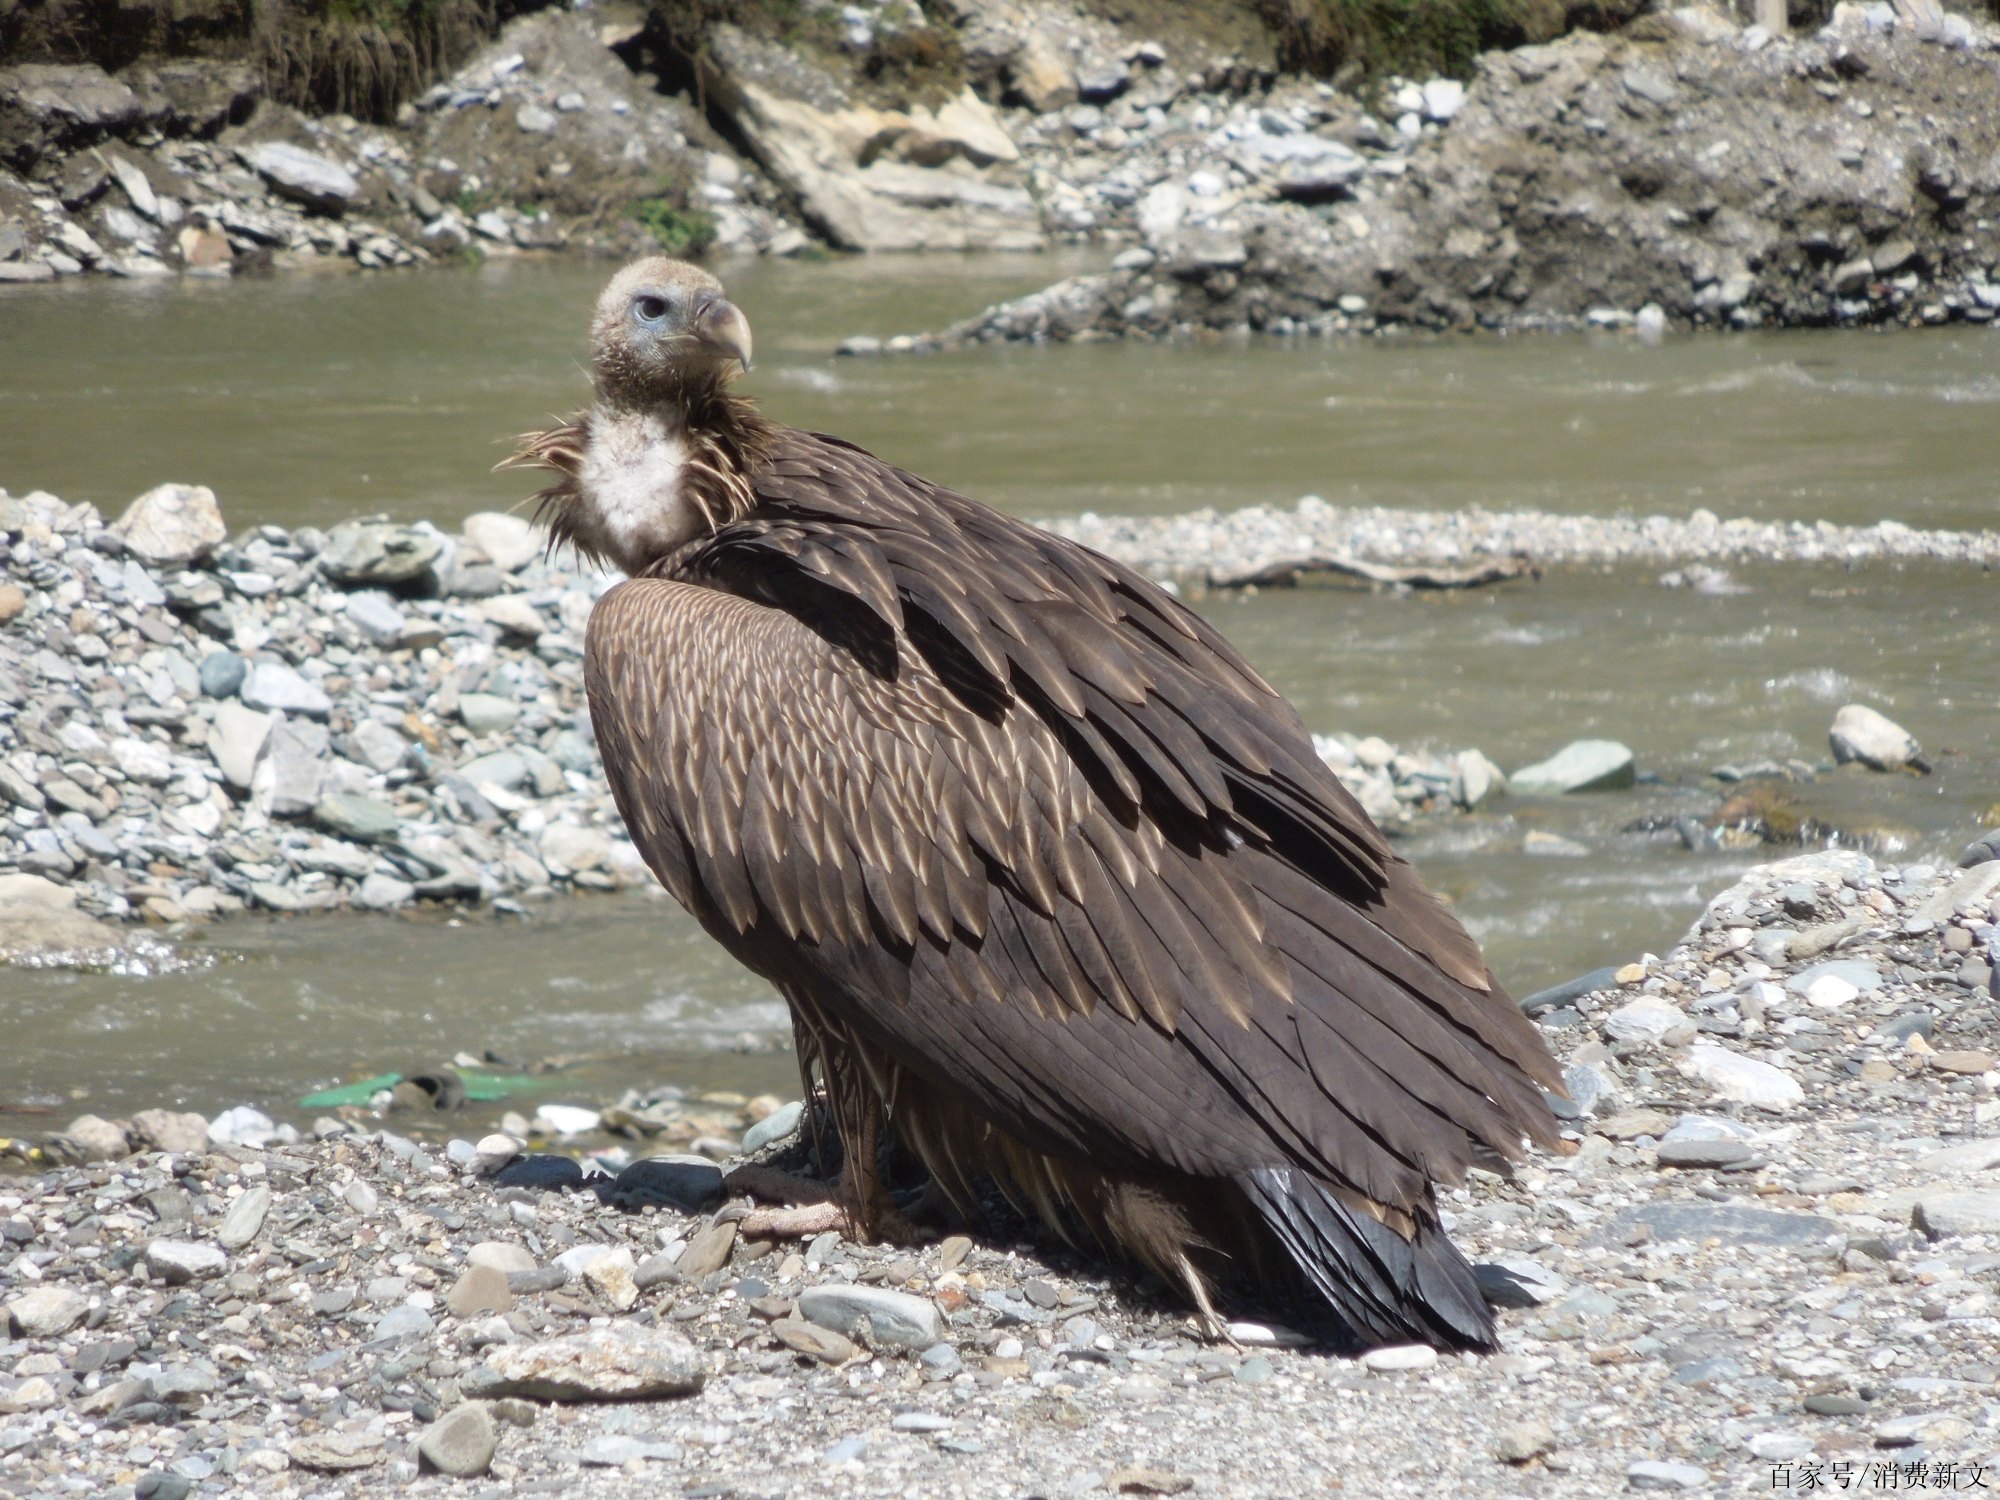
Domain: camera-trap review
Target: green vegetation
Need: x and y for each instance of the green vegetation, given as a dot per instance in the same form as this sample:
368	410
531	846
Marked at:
675	229
365	57
1360	41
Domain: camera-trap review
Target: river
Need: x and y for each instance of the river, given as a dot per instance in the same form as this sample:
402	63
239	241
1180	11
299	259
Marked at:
311	399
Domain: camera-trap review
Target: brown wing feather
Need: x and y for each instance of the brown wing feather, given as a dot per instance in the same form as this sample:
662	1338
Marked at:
1148	992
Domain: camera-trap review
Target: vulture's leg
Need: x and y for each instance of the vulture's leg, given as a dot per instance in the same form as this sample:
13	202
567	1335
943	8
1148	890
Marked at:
858	1206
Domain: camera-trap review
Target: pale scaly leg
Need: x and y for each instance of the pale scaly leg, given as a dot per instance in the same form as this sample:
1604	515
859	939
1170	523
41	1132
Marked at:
858	1207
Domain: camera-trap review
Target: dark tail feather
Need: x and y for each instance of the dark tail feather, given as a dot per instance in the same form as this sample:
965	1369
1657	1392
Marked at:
1387	1289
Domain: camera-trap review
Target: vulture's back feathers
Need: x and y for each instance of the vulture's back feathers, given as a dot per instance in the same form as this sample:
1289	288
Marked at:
1038	832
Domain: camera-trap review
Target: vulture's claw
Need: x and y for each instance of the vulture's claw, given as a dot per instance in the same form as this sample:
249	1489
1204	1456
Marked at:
806	1207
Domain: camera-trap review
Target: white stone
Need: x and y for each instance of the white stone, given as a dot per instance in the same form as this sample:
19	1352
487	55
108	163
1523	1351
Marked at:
1644	1020
1400	1357
1580	766
896	1319
1830	991
1161	211
236	739
509	542
1972	1156
273	686
568	850
1744	1079
242	1126
1443	98
46	1312
501	1256
177	1261
566	1119
172	524
1942	1214
1860	733
143	760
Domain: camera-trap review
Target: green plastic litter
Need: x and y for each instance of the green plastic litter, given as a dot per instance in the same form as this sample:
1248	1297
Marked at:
480	1086
485	1086
351	1093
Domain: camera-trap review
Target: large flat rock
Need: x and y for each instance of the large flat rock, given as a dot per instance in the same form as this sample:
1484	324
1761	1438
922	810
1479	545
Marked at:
941	177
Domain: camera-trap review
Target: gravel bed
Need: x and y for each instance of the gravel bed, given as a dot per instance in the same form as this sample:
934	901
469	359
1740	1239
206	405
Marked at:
1773	1247
1202	544
193	726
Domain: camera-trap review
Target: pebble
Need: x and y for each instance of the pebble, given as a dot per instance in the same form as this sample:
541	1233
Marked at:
822	1344
774	1127
482	1288
337	1452
178	1262
405	1322
615	1362
895	1319
1941	1215
1864	734
1780	1447
245	1218
1654	1474
614	1450
1962	1060
1645	1020
1524	1442
567	1119
1400	1357
708	1251
1748	1080
273	687
244	1125
611	1278
47	1311
500	1256
1703	1153
462	1442
1933	1429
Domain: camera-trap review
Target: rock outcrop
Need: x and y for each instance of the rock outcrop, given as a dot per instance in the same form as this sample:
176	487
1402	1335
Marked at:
1683	172
868	178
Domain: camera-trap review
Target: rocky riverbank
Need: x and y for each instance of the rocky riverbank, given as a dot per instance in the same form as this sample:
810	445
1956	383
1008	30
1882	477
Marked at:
1768	1255
1683	171
194	725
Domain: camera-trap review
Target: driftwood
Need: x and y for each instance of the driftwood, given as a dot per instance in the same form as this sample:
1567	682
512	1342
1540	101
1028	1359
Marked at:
1286	572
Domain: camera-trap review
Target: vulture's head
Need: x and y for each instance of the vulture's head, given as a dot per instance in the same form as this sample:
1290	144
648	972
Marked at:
662	330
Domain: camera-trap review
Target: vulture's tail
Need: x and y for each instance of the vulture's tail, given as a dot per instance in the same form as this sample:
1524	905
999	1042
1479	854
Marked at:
1387	1289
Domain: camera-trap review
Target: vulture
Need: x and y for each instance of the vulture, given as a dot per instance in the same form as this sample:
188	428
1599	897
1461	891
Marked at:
1056	888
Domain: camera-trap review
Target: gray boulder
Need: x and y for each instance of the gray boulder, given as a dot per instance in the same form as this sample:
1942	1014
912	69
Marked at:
1580	766
303	176
375	553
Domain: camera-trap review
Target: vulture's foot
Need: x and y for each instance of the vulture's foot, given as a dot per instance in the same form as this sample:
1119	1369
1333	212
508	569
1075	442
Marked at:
806	1207
797	1222
773	1186
1211	1329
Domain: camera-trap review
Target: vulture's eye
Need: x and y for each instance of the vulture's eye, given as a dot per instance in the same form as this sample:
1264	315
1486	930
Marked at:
649	309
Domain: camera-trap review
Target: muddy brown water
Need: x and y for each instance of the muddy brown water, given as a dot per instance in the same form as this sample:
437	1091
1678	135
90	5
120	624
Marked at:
307	400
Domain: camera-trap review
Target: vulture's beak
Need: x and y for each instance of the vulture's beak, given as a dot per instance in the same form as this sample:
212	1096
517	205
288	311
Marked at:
720	325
